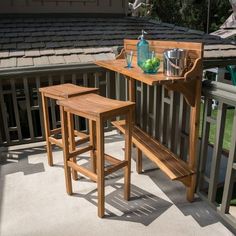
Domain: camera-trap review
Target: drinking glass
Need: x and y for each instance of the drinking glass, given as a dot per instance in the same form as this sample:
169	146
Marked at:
129	58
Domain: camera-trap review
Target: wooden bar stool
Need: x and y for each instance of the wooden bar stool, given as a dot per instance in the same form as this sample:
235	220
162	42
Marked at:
59	92
97	109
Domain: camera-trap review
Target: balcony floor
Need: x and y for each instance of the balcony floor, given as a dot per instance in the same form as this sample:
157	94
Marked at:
33	200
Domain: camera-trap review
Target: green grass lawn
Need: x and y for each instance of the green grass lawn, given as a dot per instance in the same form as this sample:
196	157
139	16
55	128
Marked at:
228	127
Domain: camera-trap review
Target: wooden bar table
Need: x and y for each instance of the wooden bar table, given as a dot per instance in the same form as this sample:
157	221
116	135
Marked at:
189	85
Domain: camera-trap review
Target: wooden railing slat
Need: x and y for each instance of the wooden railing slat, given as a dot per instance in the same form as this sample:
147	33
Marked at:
16	110
28	107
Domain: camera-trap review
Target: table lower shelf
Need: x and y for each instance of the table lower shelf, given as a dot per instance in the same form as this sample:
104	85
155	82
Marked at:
168	162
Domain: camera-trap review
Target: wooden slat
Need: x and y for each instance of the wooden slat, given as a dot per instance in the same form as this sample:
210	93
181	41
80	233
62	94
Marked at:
55	131
4	117
230	172
39	98
96	80
86	84
77	120
162	118
81	141
180	126
79	151
108	92
16	110
1	130
142	105
80	134
204	142
109	158
165	160
217	151
116	167
159	46
170	129
83	170
62	79
148	110
52	107
55	141
28	107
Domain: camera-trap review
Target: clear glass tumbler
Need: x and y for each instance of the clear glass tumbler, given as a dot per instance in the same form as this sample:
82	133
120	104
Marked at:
129	58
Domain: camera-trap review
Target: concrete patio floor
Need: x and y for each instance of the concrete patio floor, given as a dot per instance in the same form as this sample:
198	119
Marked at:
33	200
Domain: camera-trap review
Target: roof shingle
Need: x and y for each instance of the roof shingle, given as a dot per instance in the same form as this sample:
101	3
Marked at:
32	41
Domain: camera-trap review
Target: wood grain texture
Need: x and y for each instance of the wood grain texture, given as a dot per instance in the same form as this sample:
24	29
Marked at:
65	90
93	106
171	165
57	92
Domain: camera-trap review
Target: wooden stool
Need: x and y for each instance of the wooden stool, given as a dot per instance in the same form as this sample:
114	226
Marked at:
59	92
97	109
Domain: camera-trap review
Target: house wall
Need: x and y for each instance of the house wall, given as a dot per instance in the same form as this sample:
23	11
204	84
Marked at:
64	6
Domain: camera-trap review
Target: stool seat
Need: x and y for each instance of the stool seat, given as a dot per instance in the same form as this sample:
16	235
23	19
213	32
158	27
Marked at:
93	106
65	90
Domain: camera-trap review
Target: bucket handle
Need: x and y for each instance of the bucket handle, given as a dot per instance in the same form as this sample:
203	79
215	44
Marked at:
168	59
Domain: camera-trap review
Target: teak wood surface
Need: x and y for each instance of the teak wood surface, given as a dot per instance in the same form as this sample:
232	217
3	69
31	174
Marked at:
58	92
97	109
189	85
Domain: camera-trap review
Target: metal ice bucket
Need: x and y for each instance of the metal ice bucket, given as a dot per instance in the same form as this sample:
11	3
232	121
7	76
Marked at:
175	62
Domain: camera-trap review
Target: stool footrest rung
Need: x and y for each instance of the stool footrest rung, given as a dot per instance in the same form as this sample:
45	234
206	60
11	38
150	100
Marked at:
83	170
79	151
55	141
81	141
55	131
109	158
115	167
80	134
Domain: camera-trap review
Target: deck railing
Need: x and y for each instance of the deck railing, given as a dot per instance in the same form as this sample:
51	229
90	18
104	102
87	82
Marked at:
161	113
217	162
20	102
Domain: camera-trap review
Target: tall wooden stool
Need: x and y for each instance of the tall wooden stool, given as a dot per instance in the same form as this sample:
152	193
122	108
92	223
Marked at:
97	109
59	92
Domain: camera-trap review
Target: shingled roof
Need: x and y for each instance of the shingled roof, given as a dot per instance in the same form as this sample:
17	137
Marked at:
45	42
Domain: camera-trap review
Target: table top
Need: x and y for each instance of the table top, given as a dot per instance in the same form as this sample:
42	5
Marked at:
65	90
119	65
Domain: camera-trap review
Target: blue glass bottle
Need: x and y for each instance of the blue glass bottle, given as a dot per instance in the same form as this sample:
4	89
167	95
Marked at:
142	49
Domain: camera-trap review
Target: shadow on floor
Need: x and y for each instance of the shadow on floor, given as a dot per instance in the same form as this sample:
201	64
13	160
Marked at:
175	191
18	161
142	208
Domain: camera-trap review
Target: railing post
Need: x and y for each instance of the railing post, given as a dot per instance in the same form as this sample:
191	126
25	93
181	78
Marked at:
230	173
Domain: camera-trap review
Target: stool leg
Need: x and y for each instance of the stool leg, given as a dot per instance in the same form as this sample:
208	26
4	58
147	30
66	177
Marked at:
128	143
72	141
139	161
47	129
100	167
65	143
92	130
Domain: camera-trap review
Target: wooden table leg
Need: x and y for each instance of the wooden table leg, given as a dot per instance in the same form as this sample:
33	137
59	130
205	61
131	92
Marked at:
139	166
47	129
65	143
132	98
193	139
128	143
100	167
92	138
72	141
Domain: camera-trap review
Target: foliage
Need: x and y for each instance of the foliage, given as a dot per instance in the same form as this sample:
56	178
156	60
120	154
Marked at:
192	13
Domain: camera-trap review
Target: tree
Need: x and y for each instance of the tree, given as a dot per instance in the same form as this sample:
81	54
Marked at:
192	13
